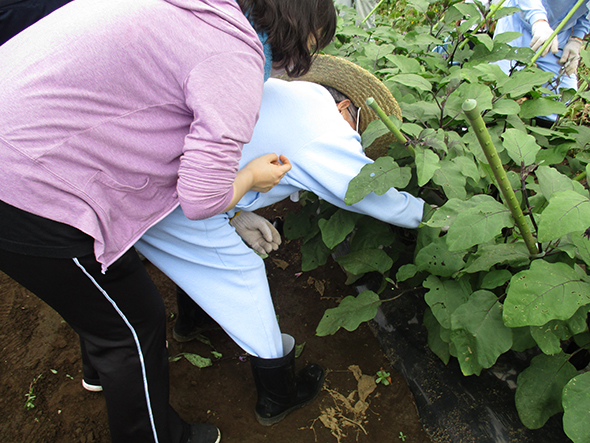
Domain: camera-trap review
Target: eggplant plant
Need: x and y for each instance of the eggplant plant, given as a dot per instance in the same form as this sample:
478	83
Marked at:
503	256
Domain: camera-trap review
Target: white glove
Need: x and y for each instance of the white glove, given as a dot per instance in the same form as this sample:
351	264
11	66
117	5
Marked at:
256	231
541	33
571	55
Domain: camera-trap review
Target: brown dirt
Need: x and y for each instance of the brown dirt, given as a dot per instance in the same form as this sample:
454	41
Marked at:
37	345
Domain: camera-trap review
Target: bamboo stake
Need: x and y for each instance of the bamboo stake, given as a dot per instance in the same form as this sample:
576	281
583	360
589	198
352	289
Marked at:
389	124
372	11
470	109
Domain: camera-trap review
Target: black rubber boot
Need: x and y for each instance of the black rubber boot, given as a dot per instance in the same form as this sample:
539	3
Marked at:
280	389
204	433
192	320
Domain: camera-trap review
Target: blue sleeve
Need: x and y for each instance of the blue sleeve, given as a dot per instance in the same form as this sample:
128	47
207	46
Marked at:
327	167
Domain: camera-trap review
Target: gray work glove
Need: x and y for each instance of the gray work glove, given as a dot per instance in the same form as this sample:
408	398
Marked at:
256	231
571	55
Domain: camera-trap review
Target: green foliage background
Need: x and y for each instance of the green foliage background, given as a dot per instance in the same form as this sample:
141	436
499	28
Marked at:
487	293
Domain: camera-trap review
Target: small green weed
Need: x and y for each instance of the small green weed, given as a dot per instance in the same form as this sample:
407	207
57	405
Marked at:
29	404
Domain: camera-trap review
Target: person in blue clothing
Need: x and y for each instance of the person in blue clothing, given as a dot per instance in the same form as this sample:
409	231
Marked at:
213	265
536	22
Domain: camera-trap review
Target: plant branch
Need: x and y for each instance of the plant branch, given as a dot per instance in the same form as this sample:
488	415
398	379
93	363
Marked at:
470	109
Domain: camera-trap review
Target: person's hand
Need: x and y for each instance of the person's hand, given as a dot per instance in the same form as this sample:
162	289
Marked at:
267	171
541	33
571	55
256	231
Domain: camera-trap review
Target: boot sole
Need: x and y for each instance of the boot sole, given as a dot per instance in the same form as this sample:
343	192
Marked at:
277	418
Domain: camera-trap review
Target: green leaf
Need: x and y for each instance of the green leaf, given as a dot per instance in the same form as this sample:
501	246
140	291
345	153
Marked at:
521	82
376	129
405	272
478	224
468	167
438	260
476	91
522	339
515	254
435	343
576	408
567	212
411	81
427	162
495	278
450	178
540	107
546	291
486	40
371	234
539	389
549	336
314	253
506	107
506	37
552	181
349	314
445	296
521	147
378	177
486	335
194	359
335	230
446	214
297	225
366	260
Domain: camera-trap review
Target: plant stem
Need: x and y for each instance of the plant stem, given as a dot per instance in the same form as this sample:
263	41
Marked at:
470	109
389	124
372	11
581	176
489	15
561	25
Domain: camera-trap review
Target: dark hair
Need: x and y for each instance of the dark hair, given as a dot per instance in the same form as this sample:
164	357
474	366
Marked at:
289	24
340	97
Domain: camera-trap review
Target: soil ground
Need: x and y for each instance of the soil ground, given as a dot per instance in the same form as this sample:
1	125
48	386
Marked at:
40	355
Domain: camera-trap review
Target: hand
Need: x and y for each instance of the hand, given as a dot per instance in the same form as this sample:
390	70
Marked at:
571	55
267	171
541	33
256	231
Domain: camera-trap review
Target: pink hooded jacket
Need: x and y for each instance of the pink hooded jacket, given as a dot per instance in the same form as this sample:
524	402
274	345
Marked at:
115	111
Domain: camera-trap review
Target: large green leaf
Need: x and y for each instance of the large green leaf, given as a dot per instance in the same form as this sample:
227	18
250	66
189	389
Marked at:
349	314
314	253
521	147
366	260
515	254
436	259
488	338
476	91
576	408
435	343
411	81
552	181
427	162
450	178
378	177
567	212
506	107
479	224
550	335
521	82
446	214
444	296
539	389
335	230
545	292
371	234
541	107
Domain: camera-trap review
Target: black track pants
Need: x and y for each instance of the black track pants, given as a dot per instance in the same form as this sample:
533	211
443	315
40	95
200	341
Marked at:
120	317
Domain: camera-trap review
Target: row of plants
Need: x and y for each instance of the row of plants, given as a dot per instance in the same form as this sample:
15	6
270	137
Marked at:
503	269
